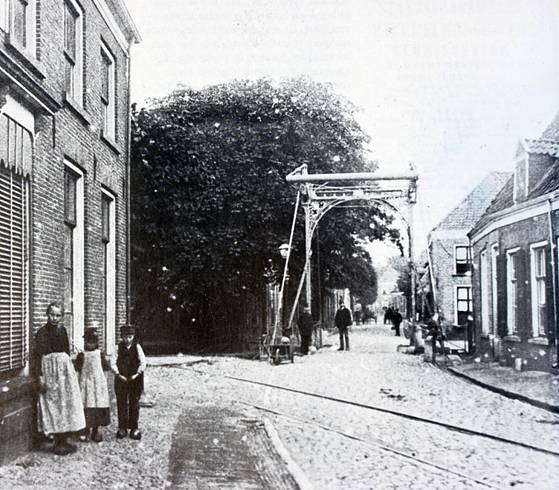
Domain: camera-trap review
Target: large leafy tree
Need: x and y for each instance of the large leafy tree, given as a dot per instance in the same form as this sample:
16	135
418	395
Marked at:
210	203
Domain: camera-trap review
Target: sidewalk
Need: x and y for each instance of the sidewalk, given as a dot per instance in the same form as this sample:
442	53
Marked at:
538	388
194	436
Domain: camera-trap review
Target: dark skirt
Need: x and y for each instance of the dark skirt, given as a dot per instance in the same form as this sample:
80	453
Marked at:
95	417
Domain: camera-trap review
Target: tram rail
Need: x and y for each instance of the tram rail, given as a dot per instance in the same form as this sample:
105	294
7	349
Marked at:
401	454
416	418
411	457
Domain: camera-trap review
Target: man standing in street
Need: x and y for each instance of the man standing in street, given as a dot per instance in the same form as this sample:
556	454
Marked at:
397	320
305	329
342	320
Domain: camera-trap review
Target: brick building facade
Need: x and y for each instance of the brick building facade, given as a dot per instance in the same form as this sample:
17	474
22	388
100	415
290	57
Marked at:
448	253
515	261
64	154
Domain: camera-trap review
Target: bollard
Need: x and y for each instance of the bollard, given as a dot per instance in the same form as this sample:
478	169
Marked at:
429	352
417	336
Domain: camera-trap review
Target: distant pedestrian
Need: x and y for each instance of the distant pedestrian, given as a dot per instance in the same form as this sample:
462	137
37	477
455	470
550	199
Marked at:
129	368
435	333
342	320
60	402
305	324
396	320
388	312
358	313
93	385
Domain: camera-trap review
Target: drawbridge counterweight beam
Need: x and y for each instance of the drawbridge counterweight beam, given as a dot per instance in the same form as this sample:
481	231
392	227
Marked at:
322	192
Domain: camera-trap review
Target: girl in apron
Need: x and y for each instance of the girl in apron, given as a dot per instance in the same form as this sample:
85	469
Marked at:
60	403
93	385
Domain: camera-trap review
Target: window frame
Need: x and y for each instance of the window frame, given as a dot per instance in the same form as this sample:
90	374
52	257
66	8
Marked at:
28	44
76	93
538	329
467	262
484	292
108	101
108	242
494	288
75	331
469	301
512	306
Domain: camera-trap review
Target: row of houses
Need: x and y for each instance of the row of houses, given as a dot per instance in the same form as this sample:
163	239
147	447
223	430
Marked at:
491	266
64	163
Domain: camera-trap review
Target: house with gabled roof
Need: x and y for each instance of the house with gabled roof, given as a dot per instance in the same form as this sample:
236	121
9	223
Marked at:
514	249
449	257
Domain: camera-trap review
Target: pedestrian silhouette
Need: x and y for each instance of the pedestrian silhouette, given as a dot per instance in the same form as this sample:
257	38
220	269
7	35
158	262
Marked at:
305	325
342	320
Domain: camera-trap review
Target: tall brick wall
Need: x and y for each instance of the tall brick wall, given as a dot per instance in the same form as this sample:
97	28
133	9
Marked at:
77	137
536	353
64	131
445	278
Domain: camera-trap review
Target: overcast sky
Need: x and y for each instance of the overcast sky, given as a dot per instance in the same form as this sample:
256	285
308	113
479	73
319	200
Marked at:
451	85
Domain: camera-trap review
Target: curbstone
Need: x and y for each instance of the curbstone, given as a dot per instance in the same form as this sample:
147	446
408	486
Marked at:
501	391
295	470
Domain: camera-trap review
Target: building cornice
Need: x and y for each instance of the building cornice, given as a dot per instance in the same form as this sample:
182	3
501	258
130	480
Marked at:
113	25
21	82
518	212
131	23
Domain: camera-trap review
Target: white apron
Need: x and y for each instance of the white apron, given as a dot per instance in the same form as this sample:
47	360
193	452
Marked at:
93	383
60	408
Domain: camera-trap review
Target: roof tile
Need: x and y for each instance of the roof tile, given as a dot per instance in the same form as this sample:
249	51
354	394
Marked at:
468	212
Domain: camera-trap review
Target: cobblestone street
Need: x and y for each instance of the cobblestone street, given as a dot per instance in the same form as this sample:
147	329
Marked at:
374	373
205	431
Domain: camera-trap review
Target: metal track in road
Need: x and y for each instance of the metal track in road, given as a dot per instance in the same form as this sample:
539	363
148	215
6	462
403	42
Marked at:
405	415
376	445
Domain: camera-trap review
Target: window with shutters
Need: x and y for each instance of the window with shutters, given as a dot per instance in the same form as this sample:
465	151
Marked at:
15	155
73	50
464	305
538	288
512	291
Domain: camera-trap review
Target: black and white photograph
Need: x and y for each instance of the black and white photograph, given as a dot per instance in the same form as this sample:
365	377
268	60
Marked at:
279	244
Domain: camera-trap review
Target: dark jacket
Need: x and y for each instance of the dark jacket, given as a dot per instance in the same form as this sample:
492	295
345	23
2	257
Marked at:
305	323
343	318
128	361
48	339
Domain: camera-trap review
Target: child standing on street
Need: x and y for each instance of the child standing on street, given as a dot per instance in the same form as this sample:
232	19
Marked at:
93	385
129	368
60	403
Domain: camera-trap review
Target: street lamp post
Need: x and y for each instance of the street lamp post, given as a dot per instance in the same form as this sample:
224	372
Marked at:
284	252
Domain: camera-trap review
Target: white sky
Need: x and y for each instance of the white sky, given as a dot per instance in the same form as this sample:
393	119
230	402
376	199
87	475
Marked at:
451	85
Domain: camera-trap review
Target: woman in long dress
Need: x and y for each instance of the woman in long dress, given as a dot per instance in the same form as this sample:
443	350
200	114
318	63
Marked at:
60	403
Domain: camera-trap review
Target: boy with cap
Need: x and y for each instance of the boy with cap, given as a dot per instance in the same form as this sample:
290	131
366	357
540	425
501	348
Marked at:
129	367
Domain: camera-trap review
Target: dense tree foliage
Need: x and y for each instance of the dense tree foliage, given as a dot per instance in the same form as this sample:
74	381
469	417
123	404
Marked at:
210	204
